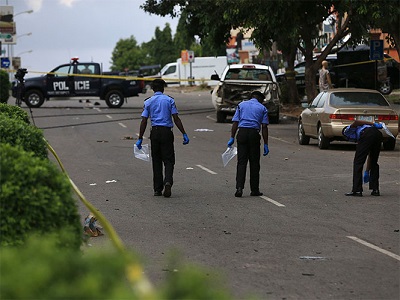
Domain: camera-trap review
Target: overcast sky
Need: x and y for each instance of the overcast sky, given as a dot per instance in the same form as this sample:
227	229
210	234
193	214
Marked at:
89	29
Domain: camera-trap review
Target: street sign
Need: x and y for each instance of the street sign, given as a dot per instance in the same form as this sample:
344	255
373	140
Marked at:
5	62
5	36
191	56
376	50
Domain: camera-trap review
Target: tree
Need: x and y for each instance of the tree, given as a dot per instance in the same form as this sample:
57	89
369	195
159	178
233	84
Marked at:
290	23
161	48
127	55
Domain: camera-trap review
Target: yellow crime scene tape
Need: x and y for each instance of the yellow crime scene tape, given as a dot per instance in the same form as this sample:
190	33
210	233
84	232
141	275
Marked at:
128	78
133	271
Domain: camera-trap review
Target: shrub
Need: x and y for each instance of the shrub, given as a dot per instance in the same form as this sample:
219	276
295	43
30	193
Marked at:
14	112
5	86
43	270
15	132
35	197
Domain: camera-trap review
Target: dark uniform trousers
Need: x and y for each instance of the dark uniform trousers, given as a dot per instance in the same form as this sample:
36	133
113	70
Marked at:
162	152
369	143
248	142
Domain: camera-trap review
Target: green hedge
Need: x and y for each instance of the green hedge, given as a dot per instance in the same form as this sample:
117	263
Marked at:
14	112
5	86
43	270
35	197
15	132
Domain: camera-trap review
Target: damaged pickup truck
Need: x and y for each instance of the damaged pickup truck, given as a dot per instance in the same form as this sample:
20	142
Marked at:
236	84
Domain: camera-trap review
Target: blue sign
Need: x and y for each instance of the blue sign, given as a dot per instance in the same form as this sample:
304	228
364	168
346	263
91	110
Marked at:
376	50
5	62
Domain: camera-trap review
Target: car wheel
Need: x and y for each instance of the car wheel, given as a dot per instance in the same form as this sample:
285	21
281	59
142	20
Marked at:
389	145
34	98
221	117
303	139
114	99
323	142
385	88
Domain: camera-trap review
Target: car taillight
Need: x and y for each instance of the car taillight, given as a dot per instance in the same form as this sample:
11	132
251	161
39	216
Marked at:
342	117
388	117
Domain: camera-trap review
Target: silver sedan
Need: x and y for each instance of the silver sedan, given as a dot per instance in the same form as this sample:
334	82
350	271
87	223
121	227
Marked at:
329	112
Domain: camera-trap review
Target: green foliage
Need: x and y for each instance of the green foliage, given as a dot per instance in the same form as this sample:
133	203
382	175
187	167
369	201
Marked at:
126	55
192	282
41	269
14	112
161	48
35	197
5	86
17	132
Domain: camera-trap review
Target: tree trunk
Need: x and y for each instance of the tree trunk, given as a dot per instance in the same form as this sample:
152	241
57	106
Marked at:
293	93
310	72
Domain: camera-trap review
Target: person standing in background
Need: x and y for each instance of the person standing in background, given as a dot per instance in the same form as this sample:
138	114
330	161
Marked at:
250	117
325	82
162	111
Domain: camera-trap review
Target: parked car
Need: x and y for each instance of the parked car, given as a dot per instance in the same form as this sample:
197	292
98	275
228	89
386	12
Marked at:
236	84
329	112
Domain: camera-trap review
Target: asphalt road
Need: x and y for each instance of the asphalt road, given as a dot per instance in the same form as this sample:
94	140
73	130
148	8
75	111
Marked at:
302	240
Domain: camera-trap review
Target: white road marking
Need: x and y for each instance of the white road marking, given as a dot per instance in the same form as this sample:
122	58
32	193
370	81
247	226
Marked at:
205	169
372	246
98	109
108	116
272	201
279	139
122	125
211	118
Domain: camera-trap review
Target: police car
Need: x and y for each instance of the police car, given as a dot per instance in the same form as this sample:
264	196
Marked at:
77	79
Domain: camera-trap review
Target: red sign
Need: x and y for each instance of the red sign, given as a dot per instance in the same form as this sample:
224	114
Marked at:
185	56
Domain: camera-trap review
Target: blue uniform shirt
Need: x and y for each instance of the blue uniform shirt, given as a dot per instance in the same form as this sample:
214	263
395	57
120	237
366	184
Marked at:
160	108
251	114
353	133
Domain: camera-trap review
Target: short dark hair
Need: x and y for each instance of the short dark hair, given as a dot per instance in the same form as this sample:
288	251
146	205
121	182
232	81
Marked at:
158	85
258	95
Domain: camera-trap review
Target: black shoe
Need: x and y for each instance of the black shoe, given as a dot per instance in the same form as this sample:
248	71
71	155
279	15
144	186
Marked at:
157	193
239	192
256	193
167	190
354	194
375	193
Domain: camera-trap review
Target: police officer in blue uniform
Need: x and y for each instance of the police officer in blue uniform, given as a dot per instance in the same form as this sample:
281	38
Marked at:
250	117
368	139
162	111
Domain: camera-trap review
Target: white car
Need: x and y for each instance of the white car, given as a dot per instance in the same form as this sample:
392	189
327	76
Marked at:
236	84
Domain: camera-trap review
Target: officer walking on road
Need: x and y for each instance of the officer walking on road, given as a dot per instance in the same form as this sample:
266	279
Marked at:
250	117
161	109
369	140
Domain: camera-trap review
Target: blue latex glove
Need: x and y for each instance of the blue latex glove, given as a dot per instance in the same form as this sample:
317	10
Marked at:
378	125
266	150
185	139
139	143
231	141
366	176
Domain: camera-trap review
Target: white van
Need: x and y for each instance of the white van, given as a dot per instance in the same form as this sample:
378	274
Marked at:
178	73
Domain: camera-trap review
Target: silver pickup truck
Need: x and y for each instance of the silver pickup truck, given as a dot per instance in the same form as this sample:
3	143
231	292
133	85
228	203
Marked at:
238	82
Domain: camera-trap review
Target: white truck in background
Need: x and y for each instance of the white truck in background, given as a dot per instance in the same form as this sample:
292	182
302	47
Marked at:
178	73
